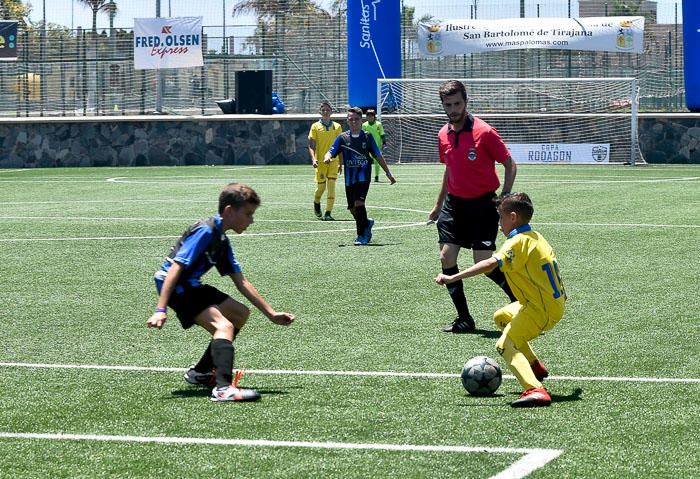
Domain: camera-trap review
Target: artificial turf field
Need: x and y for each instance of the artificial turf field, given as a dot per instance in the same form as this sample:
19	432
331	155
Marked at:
363	384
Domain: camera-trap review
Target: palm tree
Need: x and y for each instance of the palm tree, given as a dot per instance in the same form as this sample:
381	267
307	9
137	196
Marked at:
96	6
14	10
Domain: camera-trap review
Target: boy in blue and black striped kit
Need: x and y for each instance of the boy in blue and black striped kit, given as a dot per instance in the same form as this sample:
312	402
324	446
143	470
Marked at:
355	147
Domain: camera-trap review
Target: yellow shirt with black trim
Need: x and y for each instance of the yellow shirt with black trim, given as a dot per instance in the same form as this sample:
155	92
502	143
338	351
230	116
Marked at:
324	136
531	269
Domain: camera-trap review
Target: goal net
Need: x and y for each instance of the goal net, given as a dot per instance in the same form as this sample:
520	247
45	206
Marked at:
541	120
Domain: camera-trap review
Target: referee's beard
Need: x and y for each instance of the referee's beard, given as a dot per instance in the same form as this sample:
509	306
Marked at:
458	118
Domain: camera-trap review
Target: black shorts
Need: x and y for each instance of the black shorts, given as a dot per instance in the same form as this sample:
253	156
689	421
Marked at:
469	223
194	300
356	192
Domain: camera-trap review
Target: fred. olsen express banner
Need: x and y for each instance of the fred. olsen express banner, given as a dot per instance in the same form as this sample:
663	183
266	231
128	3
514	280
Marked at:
167	43
605	34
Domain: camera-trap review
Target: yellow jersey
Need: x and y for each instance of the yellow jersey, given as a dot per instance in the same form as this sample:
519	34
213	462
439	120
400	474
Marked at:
324	136
532	271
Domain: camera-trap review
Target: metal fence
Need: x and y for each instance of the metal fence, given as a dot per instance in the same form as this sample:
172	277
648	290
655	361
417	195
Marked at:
76	72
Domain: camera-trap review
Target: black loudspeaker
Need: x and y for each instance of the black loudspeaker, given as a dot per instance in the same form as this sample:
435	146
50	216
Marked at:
254	92
228	107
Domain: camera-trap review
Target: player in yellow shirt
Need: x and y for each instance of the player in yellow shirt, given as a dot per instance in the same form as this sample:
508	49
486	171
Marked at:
321	136
532	272
376	129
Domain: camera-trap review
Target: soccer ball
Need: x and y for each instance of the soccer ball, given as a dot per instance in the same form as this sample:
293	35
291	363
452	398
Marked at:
481	376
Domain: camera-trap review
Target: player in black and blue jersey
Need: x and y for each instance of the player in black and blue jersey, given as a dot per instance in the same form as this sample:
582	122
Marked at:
355	147
202	246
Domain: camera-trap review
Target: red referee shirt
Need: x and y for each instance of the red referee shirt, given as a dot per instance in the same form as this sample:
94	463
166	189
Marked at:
470	156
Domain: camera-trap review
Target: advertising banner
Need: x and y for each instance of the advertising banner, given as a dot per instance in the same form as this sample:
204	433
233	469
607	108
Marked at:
691	53
559	152
167	43
8	40
374	47
457	37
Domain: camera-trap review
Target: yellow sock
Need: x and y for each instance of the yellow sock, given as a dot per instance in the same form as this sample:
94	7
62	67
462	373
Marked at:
320	188
518	363
330	198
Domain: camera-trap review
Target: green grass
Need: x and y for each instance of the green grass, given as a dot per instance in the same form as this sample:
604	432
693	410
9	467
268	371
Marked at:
77	255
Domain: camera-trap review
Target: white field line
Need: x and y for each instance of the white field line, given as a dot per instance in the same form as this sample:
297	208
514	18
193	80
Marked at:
343	373
335	230
285	233
271	181
534	458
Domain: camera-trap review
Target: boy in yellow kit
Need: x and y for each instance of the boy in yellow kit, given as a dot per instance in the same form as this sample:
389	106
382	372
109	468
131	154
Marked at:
532	272
322	134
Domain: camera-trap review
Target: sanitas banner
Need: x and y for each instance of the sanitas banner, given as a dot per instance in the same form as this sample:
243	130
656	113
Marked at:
8	40
167	43
560	152
457	37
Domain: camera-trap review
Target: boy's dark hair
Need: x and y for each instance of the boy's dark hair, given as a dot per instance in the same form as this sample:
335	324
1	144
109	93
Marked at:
236	195
325	103
451	87
519	203
355	109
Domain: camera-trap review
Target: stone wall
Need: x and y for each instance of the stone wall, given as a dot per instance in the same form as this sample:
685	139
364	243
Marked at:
671	138
236	140
154	141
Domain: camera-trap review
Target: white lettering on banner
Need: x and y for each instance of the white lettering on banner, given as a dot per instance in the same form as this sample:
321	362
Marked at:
364	22
374	8
167	43
560	152
458	37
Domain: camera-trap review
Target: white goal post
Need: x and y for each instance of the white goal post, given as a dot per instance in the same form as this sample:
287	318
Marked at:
541	120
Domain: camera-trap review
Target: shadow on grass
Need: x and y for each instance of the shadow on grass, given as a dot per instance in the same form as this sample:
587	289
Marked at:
367	245
557	398
206	392
487	333
574	396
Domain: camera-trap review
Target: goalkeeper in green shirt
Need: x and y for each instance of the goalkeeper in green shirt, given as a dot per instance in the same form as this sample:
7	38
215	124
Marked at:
375	128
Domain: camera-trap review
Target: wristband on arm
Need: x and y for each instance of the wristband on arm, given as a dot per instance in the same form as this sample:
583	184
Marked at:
162	310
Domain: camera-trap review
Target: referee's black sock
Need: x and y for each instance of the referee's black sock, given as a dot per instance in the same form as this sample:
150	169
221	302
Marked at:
499	278
361	220
206	362
456	291
222	353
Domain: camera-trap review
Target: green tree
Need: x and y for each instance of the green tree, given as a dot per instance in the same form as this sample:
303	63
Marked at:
107	6
281	21
14	10
626	7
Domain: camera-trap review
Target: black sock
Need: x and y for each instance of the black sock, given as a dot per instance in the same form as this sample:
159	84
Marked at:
499	278
206	362
361	220
456	291
222	354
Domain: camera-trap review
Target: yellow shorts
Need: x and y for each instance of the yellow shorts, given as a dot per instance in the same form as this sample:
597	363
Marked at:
527	321
326	171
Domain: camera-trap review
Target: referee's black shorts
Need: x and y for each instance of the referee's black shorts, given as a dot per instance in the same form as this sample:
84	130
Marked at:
470	223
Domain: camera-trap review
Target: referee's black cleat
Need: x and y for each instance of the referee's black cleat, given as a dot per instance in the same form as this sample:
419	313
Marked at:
317	210
460	326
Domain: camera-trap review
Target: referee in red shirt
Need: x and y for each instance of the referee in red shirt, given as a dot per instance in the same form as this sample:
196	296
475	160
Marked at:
465	209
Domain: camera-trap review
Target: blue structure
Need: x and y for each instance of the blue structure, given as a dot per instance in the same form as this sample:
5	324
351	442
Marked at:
691	53
374	47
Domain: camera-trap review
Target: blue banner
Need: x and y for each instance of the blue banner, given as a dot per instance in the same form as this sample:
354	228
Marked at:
374	47
691	52
8	40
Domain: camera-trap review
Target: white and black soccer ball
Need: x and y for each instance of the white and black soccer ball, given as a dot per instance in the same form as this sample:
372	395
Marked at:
481	376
